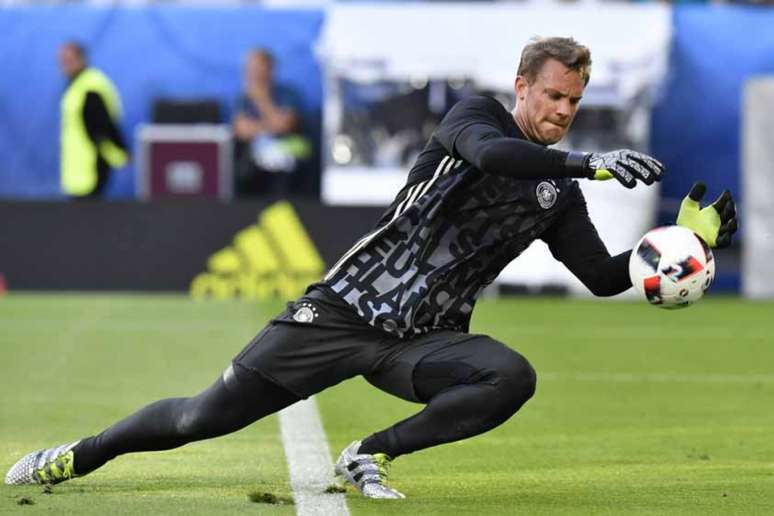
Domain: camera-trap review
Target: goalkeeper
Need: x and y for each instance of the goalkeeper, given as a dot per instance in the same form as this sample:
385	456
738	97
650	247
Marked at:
396	306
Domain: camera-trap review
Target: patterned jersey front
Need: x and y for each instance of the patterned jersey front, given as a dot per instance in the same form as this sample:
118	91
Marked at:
447	235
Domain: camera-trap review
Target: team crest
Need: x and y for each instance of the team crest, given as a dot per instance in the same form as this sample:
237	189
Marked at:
305	313
546	194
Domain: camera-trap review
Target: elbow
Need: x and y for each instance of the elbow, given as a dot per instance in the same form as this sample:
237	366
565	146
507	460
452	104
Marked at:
603	291
486	161
496	156
603	287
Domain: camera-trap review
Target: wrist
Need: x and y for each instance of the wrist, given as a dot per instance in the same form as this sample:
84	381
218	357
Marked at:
577	164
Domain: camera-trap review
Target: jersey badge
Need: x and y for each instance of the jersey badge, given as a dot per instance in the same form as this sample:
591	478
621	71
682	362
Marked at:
305	313
546	194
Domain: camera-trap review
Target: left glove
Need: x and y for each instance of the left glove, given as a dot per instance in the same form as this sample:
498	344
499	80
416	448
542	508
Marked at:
626	165
716	223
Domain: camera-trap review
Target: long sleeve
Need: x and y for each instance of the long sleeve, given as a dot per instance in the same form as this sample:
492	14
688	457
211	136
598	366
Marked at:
574	241
99	124
475	131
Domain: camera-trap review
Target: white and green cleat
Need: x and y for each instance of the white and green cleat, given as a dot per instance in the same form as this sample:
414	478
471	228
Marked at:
49	466
368	473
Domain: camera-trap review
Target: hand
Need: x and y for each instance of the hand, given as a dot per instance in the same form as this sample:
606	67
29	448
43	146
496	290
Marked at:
260	94
716	223
246	128
627	166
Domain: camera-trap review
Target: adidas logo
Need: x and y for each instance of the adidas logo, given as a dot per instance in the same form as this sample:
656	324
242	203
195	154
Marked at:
273	258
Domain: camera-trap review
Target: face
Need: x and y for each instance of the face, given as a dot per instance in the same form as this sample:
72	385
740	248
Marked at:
546	108
258	69
70	61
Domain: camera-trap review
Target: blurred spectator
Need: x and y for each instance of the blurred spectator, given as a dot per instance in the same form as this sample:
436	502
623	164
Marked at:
91	142
269	145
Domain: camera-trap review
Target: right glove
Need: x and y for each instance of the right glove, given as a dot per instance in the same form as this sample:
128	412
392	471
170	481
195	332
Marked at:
716	223
625	165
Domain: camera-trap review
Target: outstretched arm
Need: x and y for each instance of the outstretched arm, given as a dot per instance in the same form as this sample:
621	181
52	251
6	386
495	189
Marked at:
574	241
474	131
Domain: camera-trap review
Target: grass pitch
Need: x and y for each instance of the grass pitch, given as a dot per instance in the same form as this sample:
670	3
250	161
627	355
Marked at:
638	410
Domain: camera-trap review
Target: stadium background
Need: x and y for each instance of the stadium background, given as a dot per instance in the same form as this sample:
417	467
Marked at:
638	410
198	50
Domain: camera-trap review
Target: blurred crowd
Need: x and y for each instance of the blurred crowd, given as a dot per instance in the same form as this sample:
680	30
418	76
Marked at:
269	145
291	3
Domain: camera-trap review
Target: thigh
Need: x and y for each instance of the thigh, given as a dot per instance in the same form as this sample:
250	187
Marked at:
438	361
311	346
395	369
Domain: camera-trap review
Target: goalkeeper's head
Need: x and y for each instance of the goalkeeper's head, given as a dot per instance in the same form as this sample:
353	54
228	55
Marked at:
553	72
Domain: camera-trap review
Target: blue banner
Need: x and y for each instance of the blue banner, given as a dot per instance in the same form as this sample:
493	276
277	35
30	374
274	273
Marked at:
696	125
149	52
174	51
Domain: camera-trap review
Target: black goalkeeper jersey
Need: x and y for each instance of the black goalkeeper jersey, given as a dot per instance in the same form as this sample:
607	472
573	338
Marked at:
453	228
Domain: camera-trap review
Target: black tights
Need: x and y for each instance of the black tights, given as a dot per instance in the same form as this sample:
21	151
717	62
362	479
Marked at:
223	408
464	397
463	400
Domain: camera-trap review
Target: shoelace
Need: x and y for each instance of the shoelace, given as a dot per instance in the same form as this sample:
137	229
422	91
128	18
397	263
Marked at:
57	470
383	463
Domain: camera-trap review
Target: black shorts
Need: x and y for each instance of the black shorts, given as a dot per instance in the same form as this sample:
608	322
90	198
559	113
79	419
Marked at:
319	341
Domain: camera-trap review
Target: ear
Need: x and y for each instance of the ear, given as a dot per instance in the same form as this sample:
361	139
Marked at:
520	85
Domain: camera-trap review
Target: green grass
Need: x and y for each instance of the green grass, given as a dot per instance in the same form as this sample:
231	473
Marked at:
72	365
638	410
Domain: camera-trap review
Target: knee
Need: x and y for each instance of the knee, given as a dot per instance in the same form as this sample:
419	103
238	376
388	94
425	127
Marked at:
516	382
192	421
524	378
187	423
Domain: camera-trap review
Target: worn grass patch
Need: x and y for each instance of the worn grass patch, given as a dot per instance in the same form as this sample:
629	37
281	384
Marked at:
270	498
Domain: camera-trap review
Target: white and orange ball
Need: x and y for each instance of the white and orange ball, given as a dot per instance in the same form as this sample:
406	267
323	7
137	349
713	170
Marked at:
671	267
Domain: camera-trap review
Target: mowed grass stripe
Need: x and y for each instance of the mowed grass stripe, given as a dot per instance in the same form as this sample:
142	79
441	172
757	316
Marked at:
595	376
638	411
583	445
79	374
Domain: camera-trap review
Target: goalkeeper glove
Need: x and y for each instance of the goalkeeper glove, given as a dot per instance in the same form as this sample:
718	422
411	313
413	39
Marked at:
627	166
716	223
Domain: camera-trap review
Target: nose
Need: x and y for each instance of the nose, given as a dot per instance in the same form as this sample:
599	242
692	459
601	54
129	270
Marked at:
563	108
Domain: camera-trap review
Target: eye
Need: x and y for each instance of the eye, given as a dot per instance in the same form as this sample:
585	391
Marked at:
574	102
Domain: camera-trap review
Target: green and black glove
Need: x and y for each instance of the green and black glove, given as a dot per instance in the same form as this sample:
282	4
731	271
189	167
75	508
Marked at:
716	223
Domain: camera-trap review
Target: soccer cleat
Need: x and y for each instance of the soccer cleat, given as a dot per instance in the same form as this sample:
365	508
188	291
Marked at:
49	466
368	473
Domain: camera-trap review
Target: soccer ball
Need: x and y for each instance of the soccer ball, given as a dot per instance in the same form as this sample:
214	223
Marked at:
671	267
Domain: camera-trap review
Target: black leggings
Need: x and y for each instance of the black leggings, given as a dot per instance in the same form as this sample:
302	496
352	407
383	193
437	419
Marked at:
467	390
223	408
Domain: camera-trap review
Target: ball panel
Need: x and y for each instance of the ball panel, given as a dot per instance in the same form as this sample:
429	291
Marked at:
652	288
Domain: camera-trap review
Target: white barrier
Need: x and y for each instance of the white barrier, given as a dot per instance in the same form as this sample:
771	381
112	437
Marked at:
758	188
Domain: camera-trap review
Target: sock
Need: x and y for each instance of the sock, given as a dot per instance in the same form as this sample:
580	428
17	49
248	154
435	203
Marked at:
376	443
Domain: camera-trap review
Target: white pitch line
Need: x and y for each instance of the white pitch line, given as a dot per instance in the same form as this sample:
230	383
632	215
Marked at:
309	461
722	378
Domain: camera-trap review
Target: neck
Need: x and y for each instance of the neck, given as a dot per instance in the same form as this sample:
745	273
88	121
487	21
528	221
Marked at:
522	125
75	74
